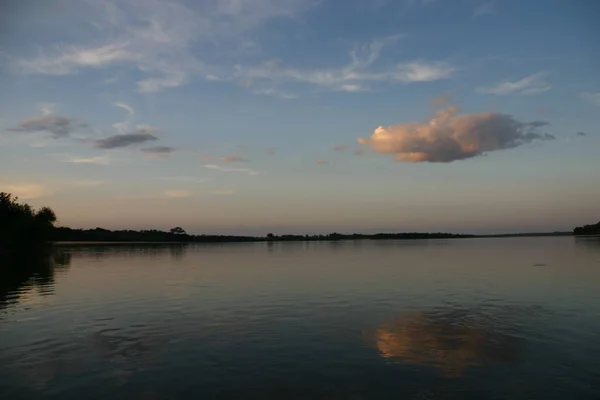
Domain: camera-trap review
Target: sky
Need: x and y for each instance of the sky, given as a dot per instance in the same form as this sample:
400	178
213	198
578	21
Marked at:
303	116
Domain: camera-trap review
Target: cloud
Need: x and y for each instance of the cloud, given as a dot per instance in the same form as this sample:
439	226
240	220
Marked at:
355	77
581	134
321	161
141	135
227	169
101	160
441	101
47	108
360	74
485	7
25	191
223	192
56	125
126	107
233	158
158	151
532	84
450	136
593	98
276	93
271	150
160	38
339	147
177	193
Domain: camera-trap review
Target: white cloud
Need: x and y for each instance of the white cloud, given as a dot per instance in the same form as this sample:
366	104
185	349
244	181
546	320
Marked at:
24	190
357	76
227	169
532	84
234	158
126	107
47	108
177	193
593	98
276	93
450	136
127	124
158	37
101	160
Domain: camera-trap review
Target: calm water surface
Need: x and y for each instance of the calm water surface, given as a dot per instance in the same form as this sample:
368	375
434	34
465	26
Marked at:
440	319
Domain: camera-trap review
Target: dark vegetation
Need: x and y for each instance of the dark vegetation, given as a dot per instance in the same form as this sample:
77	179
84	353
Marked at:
63	234
22	227
32	270
587	230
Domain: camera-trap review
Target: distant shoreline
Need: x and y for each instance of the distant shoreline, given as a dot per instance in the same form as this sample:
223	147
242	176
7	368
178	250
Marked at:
323	238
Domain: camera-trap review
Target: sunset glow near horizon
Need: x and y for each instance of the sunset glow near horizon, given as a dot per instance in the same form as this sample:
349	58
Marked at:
303	116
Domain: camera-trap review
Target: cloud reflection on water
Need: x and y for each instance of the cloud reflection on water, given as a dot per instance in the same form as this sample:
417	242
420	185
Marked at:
445	341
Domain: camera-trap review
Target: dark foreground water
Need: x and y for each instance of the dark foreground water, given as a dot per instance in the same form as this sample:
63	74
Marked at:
440	319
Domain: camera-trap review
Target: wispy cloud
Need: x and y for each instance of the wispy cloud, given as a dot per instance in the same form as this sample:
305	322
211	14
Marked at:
158	37
126	107
276	93
321	161
126	125
593	98
450	136
140	135
234	158
271	150
581	134
56	125
101	160
24	190
357	76
532	84
228	169
158	151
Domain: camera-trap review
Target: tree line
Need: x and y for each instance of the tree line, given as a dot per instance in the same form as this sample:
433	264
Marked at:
593	229
21	226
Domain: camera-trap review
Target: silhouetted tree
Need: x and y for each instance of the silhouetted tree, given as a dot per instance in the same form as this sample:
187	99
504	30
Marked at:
177	231
587	229
21	226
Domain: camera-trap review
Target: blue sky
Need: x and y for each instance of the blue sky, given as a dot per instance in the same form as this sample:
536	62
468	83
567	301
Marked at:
252	116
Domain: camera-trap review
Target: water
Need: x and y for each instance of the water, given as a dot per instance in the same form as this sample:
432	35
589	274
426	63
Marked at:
441	319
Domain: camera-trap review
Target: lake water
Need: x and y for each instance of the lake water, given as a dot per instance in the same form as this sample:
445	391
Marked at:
510	318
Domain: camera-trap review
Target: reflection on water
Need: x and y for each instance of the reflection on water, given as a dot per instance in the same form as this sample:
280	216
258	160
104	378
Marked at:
23	272
442	340
452	319
177	251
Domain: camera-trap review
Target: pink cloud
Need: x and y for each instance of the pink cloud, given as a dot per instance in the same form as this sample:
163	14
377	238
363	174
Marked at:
450	136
